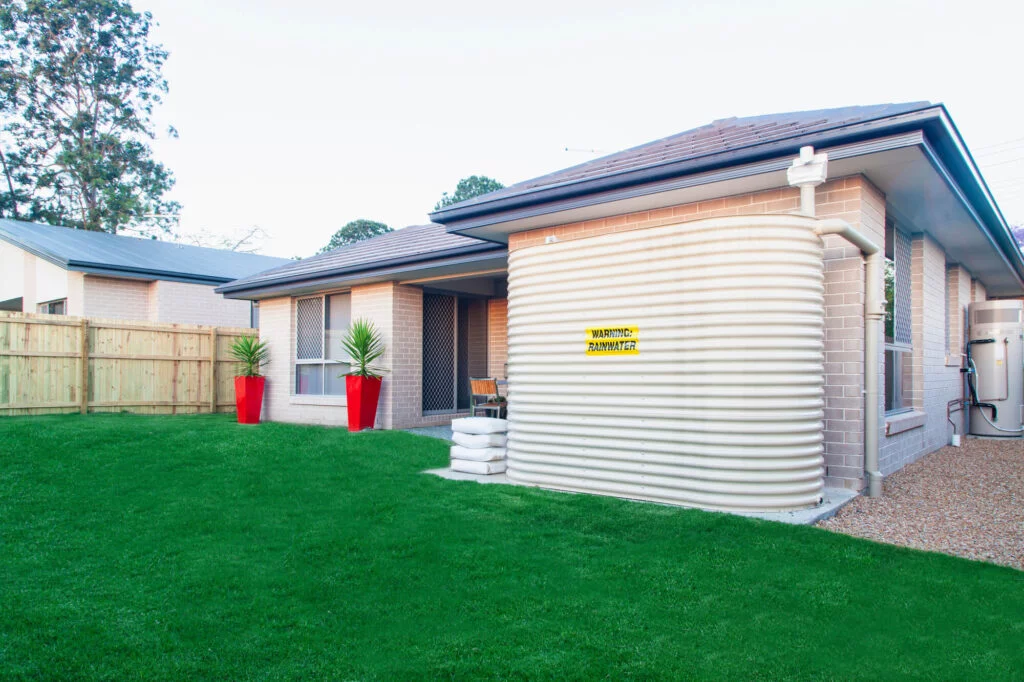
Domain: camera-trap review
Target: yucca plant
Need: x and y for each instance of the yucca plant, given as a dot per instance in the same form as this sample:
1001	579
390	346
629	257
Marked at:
364	346
251	354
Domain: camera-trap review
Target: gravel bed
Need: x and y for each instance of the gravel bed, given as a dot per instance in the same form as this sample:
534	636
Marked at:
966	501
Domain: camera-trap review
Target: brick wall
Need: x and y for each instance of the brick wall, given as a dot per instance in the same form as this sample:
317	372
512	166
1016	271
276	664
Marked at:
114	298
397	311
497	337
195	304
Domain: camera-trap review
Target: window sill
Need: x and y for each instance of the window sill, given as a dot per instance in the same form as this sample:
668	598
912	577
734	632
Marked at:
904	421
328	400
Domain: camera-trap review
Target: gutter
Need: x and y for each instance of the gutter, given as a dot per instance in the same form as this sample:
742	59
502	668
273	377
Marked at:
362	269
353	276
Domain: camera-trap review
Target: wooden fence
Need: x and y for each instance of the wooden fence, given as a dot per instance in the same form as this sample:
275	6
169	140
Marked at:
54	363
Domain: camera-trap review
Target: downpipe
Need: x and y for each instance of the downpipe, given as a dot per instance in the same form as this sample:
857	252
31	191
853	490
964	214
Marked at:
807	172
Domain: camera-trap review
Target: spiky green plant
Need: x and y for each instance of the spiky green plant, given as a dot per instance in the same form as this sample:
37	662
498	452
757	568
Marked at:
251	354
364	346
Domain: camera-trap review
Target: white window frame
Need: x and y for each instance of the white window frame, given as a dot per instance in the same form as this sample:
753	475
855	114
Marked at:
322	361
49	304
900	353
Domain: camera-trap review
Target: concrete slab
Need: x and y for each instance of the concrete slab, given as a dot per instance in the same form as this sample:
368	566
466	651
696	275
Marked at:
833	499
440	432
461	476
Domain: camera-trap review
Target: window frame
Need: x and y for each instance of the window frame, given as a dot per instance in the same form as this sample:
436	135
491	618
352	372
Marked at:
50	304
898	352
322	361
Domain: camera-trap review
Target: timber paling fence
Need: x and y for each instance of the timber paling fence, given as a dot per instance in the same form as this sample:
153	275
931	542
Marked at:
55	364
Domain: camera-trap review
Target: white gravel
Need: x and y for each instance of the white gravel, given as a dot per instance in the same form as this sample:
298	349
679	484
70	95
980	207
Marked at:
966	501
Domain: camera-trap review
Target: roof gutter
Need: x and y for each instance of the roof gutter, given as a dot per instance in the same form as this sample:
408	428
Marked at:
486	251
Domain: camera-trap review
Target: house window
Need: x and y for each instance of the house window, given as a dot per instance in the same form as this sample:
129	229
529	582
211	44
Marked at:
320	362
898	337
58	307
254	315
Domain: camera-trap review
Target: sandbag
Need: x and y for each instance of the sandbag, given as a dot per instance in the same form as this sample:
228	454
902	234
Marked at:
480	440
477	454
471	467
479	425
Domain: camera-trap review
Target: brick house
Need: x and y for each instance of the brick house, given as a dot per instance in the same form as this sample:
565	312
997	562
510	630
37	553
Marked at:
48	269
507	283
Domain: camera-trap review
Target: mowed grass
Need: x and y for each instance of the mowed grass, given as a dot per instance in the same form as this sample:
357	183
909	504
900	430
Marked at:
192	547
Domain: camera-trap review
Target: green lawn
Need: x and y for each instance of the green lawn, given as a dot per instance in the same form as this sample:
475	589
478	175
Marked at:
192	547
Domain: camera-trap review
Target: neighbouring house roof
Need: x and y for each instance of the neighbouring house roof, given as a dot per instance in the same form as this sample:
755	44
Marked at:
724	135
405	246
101	253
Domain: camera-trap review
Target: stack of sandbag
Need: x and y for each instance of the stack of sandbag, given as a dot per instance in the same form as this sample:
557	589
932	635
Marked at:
479	445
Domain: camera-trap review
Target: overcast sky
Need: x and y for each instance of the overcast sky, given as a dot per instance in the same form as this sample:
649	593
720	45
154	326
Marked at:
299	116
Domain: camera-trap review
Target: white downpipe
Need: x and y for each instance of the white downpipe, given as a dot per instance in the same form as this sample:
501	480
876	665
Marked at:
807	172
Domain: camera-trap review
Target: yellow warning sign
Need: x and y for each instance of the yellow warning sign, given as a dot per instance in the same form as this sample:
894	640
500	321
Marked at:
623	340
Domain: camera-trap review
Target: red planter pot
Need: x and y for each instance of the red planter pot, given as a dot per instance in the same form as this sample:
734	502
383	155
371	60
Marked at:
362	395
249	398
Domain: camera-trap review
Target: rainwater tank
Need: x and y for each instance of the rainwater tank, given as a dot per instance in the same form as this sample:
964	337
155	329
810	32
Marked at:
680	364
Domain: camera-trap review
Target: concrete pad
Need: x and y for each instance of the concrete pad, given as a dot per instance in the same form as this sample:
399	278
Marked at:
440	432
833	499
462	476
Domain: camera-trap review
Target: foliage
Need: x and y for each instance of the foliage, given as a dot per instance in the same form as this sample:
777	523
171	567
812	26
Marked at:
365	345
79	80
890	299
355	231
251	354
190	547
473	186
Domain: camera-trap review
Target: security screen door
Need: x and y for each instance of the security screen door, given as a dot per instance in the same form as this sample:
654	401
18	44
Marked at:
454	348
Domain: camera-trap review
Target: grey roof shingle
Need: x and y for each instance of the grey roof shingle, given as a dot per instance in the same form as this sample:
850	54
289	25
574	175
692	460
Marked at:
132	256
729	134
408	244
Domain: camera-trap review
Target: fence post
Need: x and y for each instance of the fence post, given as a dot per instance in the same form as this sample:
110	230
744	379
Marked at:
83	379
213	370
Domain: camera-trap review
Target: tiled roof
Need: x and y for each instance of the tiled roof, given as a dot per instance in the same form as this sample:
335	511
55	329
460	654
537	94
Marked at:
725	135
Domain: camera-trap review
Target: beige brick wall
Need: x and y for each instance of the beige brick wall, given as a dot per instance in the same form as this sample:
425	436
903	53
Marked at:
115	298
398	311
497	337
978	292
187	303
277	325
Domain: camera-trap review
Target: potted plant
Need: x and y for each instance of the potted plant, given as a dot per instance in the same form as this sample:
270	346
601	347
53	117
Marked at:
251	354
364	346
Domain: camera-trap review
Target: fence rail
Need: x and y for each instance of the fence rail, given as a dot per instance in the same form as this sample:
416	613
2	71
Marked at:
56	363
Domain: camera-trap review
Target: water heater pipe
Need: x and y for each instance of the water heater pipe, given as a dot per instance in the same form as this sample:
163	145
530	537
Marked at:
807	172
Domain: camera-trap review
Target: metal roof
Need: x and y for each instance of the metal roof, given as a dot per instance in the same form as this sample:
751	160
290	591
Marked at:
405	245
724	135
122	256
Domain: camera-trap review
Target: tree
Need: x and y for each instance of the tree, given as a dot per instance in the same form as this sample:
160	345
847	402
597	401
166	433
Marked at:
79	80
355	231
470	187
242	240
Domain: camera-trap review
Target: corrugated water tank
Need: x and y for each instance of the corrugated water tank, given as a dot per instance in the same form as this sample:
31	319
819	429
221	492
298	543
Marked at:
680	364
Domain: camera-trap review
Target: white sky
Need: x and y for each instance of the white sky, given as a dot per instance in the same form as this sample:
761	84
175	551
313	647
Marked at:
299	116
